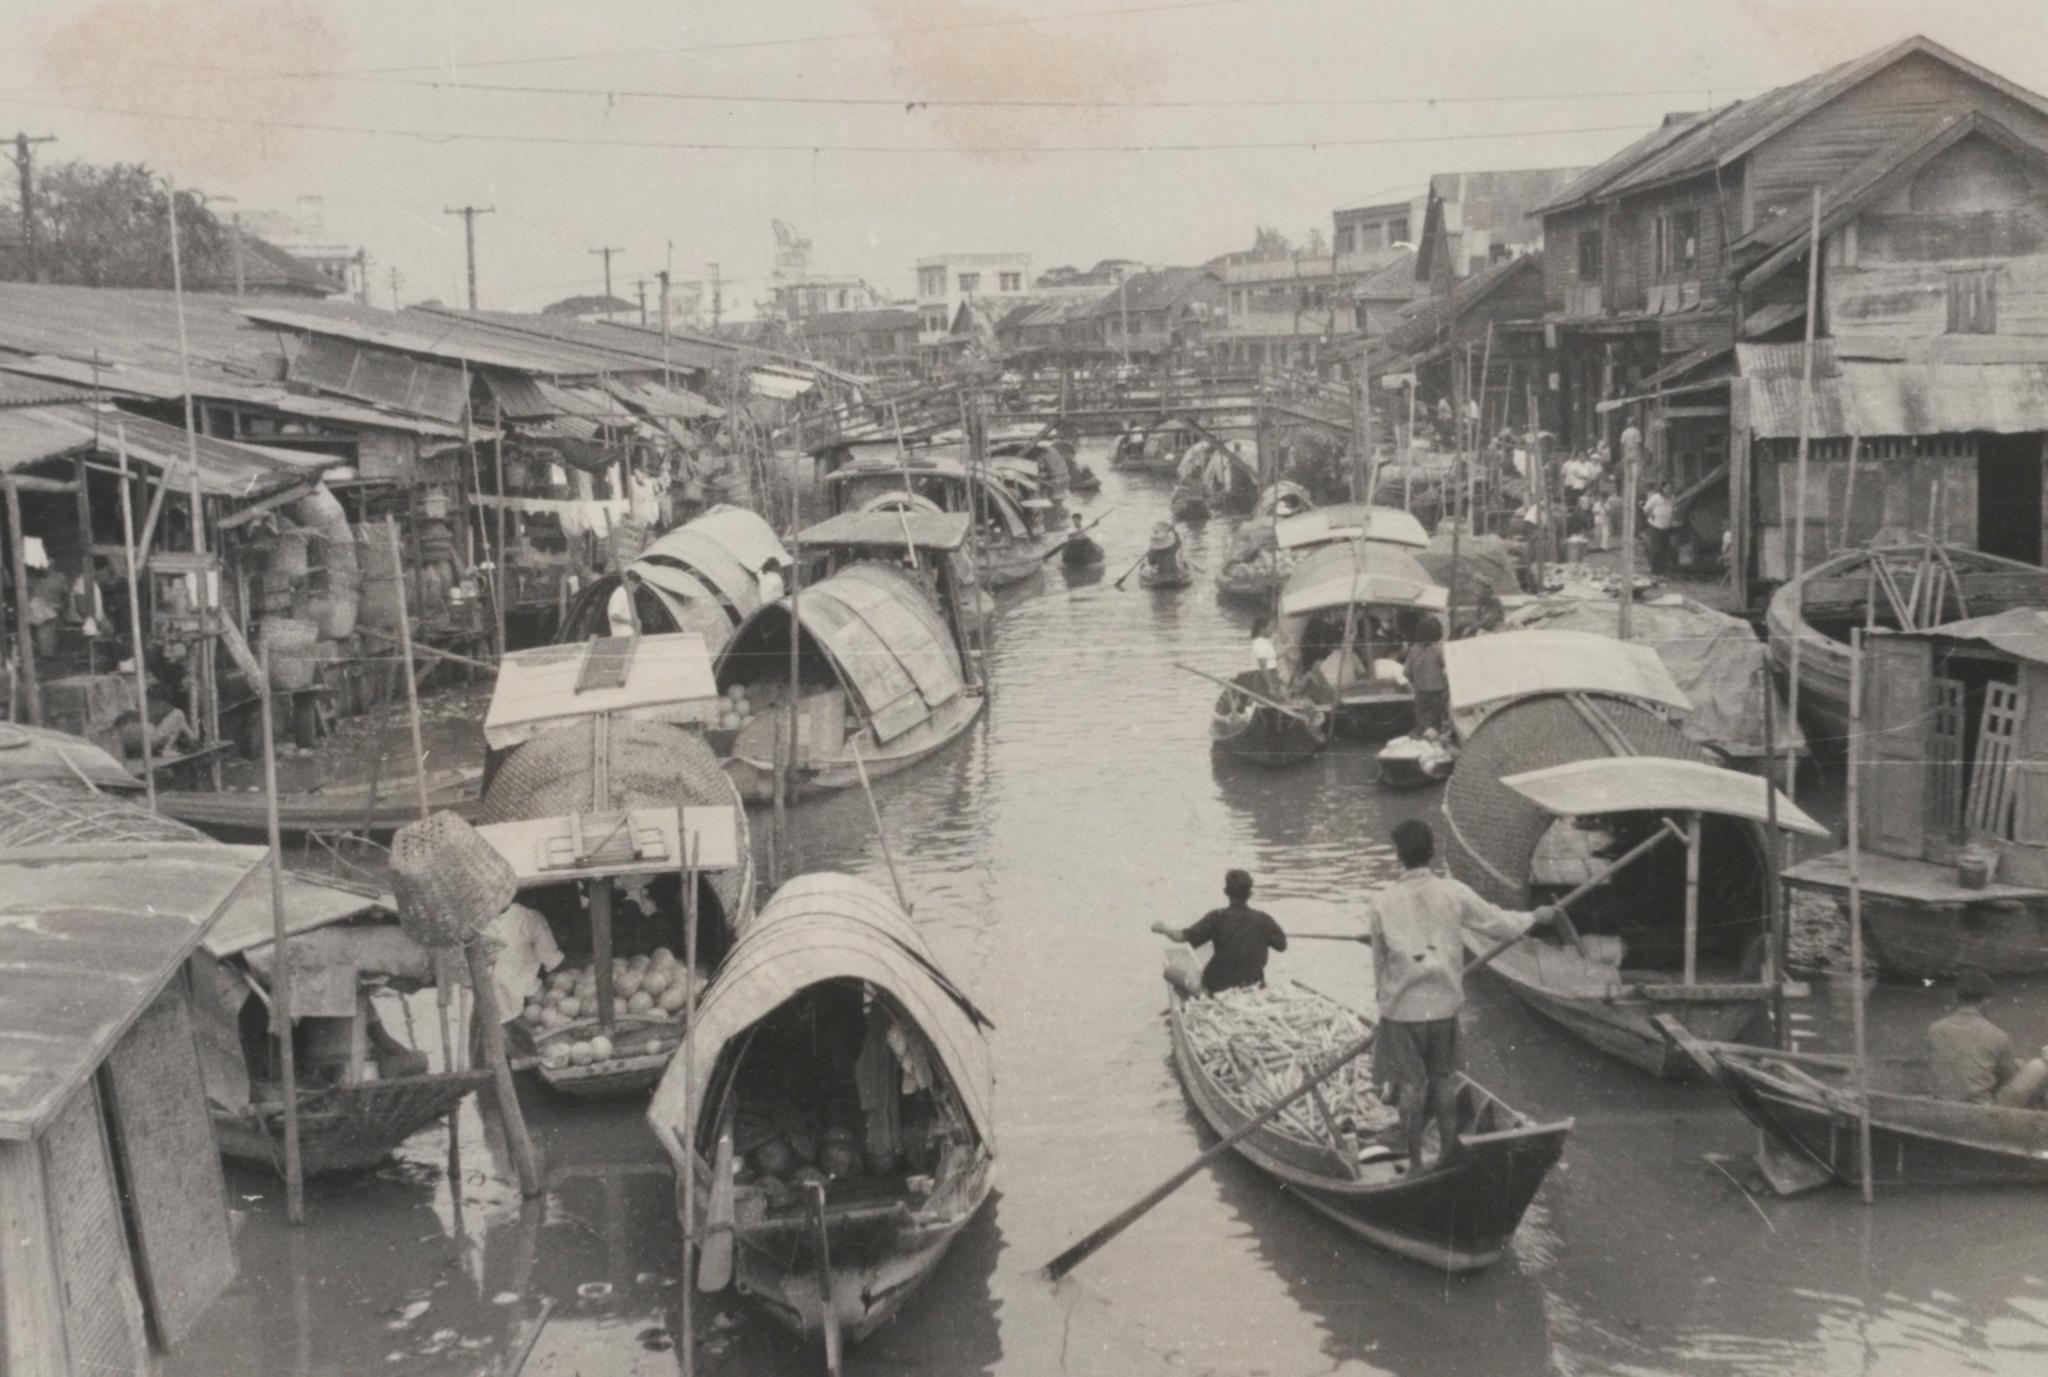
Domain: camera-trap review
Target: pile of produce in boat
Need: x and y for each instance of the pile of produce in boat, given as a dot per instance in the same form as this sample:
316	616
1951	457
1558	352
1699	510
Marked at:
734	711
650	993
1590	577
1259	1045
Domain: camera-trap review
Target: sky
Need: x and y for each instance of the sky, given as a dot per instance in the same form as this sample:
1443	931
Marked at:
621	122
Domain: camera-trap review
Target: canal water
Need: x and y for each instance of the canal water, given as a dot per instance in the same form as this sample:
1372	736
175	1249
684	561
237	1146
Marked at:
1037	853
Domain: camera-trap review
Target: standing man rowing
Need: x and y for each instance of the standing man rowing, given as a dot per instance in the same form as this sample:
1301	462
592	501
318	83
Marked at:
1417	929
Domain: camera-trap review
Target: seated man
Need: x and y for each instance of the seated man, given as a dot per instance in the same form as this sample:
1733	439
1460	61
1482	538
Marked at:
1972	1056
1240	935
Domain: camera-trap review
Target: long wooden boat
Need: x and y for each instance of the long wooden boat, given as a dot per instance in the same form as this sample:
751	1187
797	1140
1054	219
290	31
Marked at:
1933	584
704	576
831	985
1007	550
1188	503
1344	588
1413	762
351	808
1808	1105
1242	726
883	682
1680	930
1457	1217
1267	553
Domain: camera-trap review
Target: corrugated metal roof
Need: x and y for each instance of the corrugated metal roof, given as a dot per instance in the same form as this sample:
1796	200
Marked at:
654	399
443	336
1152	291
18	390
1872	398
89	936
29	435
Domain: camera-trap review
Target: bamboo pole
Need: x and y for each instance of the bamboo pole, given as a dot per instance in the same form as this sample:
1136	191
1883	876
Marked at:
787	762
1630	492
1813	249
882	836
281	968
24	634
688	1345
1692	899
135	639
412	693
1780	938
1855	827
511	1117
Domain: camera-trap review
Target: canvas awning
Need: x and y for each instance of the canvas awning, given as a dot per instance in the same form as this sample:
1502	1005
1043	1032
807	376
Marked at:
822	927
890	530
1652	784
1350	521
1368	574
667	679
887	642
1521	664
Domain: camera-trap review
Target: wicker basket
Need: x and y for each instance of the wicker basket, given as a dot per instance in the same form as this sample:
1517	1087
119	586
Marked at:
290	643
289	556
333	611
448	880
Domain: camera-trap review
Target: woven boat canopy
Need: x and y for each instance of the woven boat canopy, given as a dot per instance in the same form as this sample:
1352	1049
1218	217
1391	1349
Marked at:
1366	573
669	680
818	928
722	551
1350	521
1648	784
1522	664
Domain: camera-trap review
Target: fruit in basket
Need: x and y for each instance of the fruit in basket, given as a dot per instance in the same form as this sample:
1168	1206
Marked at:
675	997
580	1054
555	1055
664	957
533	1011
640	963
658	980
641	1002
553	1018
737	693
628	984
570	1009
804	1144
600	1048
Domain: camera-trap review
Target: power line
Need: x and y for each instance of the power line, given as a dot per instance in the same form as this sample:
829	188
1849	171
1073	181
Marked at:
912	102
692	146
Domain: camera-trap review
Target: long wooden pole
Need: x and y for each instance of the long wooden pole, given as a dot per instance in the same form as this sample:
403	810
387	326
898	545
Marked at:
1630	494
135	638
1855	827
882	836
281	966
689	1171
510	1116
24	634
1780	939
412	692
1799	501
1692	899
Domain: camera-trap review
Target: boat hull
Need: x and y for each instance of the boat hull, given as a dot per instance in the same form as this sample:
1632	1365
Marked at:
1178	577
1458	1218
1407	772
1624	1026
343	1129
755	779
1811	1117
1266	736
1929	941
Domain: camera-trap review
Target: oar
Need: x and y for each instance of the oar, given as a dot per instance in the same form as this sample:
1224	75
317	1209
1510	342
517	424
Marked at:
1080	1252
1132	570
714	1256
1296	713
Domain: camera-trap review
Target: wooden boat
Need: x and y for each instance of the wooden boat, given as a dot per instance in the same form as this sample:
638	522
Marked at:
342	1128
350	808
1807	1107
1157	453
703	576
1242	726
1609	774
882	669
1413	762
1267	554
1084	480
1188	503
1327	610
1900	587
1457	1218
1951	715
1007	550
1081	552
830	977
1179	573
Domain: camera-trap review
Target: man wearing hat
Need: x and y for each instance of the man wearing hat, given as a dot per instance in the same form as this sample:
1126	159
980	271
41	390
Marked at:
1164	554
1973	1059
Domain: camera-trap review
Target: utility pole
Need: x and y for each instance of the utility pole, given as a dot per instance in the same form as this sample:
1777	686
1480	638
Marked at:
717	299
640	286
24	164
241	272
605	251
469	214
666	379
362	276
394	288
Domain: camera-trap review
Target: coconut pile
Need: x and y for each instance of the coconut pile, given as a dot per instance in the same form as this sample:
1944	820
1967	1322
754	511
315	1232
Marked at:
651	989
1259	1045
734	711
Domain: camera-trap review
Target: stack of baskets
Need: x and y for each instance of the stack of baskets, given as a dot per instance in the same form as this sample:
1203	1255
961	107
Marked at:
449	881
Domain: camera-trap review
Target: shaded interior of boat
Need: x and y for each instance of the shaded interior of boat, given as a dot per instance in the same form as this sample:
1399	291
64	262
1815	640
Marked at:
837	1085
757	660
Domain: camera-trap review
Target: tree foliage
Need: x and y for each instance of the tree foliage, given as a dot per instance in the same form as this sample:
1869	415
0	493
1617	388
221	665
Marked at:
1318	245
1269	242
108	226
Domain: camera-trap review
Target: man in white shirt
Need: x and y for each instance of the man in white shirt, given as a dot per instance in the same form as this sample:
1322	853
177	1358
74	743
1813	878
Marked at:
618	609
1660	512
770	583
1417	929
1266	656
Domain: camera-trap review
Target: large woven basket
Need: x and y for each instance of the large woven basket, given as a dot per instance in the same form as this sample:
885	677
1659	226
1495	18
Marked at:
289	555
448	880
290	641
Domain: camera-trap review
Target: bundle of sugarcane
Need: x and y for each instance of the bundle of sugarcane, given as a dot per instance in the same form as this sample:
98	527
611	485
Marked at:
1259	1044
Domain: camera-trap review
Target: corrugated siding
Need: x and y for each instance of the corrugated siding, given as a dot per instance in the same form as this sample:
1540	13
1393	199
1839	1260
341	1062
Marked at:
817	928
1876	398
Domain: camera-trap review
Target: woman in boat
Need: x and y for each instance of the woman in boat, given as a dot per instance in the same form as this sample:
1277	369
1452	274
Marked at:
1164	556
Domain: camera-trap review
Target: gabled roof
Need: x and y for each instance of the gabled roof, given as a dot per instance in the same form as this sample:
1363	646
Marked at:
1783	238
1421	320
1152	291
268	268
836	323
1393	282
1718	138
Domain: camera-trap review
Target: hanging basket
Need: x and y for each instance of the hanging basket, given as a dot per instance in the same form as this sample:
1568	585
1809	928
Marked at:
448	880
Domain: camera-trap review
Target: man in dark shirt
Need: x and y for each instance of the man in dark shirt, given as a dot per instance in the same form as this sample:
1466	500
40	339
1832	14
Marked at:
1239	936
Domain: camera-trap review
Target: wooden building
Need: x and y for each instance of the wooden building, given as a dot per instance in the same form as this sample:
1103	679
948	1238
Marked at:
1166	314
112	1209
1489	323
1675	289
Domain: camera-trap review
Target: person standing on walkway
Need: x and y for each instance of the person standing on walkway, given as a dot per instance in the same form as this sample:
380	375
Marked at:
1660	513
1417	928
